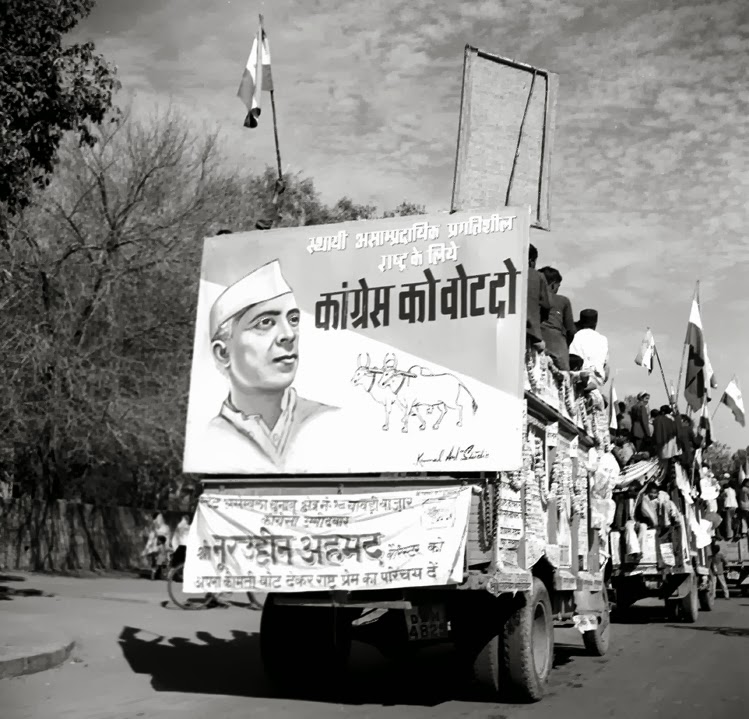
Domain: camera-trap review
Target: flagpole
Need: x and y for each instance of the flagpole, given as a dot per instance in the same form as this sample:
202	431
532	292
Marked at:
280	183
720	401
684	350
663	374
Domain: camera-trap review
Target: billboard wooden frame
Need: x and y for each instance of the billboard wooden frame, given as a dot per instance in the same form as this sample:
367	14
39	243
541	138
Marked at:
461	195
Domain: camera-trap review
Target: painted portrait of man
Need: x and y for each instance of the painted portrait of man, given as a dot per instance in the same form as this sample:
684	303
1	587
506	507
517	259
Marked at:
254	335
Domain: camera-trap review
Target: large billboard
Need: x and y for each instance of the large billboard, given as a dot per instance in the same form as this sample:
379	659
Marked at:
507	116
392	345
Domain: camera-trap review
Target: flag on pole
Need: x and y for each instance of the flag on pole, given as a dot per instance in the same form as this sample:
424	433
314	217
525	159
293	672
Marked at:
700	375
647	352
256	77
613	424
734	401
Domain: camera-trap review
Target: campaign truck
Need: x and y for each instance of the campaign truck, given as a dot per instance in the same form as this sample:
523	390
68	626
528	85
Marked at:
383	457
660	540
736	552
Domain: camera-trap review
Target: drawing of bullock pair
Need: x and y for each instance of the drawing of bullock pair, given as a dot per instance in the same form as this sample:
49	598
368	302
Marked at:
413	390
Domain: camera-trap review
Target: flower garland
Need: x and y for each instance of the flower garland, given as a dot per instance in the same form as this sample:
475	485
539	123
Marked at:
579	488
584	416
530	367
569	395
539	469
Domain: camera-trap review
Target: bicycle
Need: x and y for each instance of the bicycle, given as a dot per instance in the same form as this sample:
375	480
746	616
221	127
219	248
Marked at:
191	601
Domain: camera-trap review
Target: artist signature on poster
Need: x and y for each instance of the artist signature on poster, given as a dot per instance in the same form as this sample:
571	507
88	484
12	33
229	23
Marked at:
414	391
451	454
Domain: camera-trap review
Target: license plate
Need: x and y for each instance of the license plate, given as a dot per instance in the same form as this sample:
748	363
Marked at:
426	622
734	576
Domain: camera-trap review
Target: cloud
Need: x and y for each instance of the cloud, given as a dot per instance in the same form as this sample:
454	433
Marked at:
649	178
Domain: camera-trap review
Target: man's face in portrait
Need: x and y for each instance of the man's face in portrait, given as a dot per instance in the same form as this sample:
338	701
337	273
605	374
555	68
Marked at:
263	350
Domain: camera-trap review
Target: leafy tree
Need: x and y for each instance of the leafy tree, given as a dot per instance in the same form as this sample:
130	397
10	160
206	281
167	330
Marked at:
719	458
46	90
406	209
97	306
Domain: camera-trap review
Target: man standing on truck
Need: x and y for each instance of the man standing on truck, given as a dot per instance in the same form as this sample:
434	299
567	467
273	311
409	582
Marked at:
641	428
592	348
254	332
559	329
538	302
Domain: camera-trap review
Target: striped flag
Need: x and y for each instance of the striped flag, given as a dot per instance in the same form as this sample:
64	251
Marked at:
256	77
700	375
734	401
647	352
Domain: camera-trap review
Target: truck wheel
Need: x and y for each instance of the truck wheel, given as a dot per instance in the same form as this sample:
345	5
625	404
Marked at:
690	605
597	640
528	644
707	596
303	648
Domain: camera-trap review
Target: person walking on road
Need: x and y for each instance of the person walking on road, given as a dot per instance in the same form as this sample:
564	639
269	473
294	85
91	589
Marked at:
743	500
718	565
157	546
730	507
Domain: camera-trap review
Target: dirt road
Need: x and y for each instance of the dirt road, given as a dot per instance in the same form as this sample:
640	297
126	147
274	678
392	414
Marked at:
139	659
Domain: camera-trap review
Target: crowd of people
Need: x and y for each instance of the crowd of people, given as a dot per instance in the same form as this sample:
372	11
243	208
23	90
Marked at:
550	327
641	432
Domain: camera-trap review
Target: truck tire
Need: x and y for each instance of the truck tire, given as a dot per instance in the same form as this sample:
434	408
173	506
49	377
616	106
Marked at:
304	648
690	604
597	641
488	670
707	596
528	644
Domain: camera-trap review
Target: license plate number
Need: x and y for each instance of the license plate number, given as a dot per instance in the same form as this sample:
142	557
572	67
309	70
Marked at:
733	576
426	623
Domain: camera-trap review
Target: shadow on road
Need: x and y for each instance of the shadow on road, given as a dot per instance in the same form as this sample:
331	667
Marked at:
8	591
205	664
722	631
640	614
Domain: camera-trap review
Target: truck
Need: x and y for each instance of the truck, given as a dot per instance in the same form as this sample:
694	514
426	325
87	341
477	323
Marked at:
736	553
359	555
671	561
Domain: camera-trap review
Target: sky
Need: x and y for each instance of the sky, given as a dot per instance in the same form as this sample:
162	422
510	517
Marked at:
650	164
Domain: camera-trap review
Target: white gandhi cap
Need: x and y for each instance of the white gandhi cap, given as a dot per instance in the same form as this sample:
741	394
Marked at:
260	285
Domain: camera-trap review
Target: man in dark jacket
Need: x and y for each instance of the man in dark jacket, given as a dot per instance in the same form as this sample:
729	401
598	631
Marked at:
687	439
538	301
640	414
664	434
558	329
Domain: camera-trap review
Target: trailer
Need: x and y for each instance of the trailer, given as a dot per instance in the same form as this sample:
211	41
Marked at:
672	562
736	553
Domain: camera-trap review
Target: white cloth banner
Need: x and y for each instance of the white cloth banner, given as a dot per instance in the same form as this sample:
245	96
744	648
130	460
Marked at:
307	543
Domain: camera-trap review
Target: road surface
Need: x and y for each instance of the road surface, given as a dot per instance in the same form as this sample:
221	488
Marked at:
138	659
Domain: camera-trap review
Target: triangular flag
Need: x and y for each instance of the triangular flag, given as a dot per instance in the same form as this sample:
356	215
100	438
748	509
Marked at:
613	424
256	77
732	398
647	352
700	376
